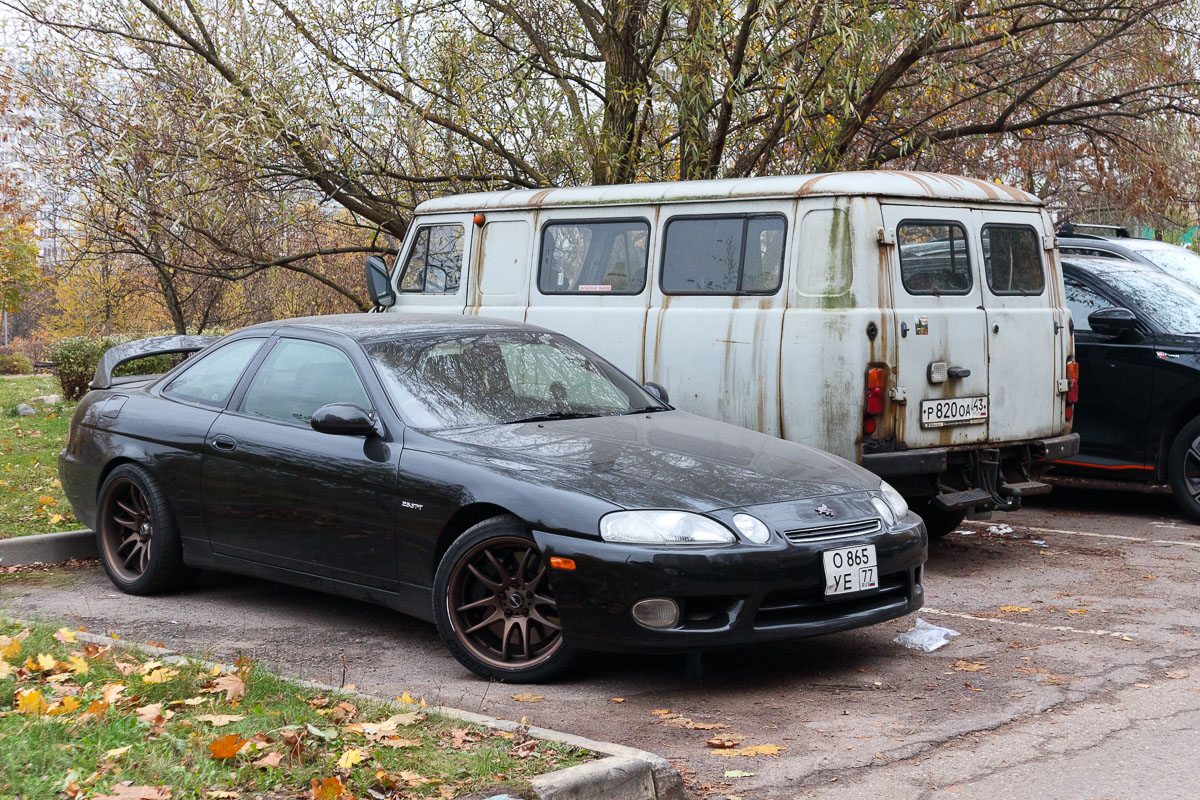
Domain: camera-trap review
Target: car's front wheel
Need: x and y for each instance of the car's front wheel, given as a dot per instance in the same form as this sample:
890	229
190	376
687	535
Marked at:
136	534
1183	469
495	608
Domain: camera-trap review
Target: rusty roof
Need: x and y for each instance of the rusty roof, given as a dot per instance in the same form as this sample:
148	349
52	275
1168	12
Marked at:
882	183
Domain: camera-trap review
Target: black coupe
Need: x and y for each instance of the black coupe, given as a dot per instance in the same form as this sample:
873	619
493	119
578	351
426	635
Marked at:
495	478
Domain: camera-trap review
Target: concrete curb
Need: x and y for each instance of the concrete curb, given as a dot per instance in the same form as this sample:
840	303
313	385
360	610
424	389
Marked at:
625	773
47	548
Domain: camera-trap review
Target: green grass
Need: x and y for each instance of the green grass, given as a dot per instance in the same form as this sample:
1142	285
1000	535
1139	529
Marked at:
62	742
31	498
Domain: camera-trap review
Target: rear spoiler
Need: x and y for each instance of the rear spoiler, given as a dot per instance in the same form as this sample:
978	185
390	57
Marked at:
143	348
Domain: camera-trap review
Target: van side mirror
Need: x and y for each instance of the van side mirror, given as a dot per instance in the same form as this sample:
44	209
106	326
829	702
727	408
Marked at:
1112	321
656	389
343	419
378	285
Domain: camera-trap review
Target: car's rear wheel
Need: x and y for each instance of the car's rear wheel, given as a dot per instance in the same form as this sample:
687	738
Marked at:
136	534
939	523
495	608
1183	469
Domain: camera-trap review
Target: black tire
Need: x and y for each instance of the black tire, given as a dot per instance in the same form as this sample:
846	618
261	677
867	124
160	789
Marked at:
1183	469
939	523
494	606
136	534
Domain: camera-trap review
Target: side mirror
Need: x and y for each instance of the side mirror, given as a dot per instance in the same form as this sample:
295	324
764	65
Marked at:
1112	321
658	391
378	285
343	419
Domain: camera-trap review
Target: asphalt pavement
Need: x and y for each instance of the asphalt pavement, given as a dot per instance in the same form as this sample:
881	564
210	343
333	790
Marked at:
1076	674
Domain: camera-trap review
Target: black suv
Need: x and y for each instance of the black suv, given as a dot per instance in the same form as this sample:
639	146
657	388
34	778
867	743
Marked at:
1137	341
1170	258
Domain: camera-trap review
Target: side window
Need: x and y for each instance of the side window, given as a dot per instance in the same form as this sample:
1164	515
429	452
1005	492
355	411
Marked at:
1082	301
1012	257
724	255
210	380
298	377
585	257
933	258
434	262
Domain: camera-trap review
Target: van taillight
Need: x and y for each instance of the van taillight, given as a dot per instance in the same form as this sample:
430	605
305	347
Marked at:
1072	389
876	380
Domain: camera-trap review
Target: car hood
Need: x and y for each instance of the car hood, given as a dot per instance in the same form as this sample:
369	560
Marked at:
668	459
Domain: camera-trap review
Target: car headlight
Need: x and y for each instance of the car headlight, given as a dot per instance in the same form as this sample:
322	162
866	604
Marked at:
753	528
890	504
662	527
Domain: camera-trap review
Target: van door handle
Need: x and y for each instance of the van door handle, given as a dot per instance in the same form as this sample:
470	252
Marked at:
223	442
958	372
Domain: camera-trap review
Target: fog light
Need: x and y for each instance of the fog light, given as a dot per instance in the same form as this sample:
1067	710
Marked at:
656	612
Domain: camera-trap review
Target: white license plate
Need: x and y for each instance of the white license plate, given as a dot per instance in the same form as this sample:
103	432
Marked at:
850	569
954	411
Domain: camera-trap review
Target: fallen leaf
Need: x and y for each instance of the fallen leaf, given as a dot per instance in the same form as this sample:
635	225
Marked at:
661	712
329	734
160	675
350	758
962	665
30	701
221	794
719	742
96	709
64	706
46	662
111	692
220	720
328	789
1015	609
117	752
77	665
396	741
233	687
65	635
415	778
755	750
6	669
1078	611
1176	674
152	712
527	697
737	773
194	701
343	712
616	699
11	650
226	746
271	759
126	791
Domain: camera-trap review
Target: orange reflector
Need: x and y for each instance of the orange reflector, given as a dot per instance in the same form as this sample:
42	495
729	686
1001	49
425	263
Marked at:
876	378
561	563
479	219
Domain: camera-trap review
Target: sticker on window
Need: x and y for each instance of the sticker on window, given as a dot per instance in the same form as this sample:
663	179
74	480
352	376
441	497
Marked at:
595	287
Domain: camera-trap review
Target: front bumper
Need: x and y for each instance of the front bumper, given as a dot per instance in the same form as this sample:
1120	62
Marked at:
730	595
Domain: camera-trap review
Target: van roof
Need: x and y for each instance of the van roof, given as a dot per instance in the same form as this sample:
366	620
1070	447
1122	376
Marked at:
884	183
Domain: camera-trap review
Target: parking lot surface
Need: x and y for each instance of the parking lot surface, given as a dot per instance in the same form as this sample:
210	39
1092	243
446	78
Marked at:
1076	674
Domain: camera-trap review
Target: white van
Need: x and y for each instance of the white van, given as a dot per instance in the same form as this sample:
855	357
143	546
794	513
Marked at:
910	322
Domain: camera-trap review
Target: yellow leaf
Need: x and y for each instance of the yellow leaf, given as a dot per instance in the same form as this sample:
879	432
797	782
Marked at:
406	698
1077	611
160	675
528	697
46	500
328	789
77	665
55	519
350	758
1015	609
65	635
30	702
56	483
117	752
755	750
962	665
46	661
64	706
616	699
11	650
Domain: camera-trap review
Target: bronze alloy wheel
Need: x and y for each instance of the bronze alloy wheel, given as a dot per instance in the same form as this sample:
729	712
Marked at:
127	530
500	604
1191	469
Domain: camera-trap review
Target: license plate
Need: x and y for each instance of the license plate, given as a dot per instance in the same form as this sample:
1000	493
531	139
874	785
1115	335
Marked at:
954	411
850	569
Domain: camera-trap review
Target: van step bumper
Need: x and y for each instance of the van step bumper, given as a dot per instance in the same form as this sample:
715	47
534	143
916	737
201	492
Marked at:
934	460
955	501
1024	489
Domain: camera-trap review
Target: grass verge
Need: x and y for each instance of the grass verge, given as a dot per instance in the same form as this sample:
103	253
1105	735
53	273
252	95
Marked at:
31	496
89	722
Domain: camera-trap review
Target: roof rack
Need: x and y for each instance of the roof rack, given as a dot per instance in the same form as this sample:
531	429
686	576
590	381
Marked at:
1071	229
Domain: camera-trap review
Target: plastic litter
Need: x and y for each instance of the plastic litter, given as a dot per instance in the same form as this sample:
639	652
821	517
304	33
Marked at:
925	637
964	532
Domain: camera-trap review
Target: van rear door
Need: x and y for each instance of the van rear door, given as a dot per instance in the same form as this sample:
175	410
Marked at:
1023	354
941	327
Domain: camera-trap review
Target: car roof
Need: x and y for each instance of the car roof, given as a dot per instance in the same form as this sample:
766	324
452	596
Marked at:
1100	267
364	327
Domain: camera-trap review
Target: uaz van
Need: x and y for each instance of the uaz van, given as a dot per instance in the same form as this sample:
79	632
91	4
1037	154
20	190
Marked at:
911	322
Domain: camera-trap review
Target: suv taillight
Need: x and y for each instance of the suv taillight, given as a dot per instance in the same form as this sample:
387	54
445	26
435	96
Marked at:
1072	389
876	381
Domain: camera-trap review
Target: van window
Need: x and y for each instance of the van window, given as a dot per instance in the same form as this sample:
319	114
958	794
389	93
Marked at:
581	257
724	255
933	257
1012	257
434	263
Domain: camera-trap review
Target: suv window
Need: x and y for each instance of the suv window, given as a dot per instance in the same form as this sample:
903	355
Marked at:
724	255
1082	301
586	257
934	258
210	379
300	376
434	262
1012	257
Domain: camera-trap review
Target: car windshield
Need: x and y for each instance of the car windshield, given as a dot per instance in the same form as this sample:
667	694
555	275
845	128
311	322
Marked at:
467	379
1174	260
1175	304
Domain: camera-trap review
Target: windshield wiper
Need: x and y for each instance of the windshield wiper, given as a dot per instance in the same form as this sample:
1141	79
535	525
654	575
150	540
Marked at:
551	416
645	410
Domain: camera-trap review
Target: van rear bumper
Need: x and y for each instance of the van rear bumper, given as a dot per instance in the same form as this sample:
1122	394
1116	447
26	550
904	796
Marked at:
936	460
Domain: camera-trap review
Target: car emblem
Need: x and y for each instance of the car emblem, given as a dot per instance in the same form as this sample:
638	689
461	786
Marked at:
824	510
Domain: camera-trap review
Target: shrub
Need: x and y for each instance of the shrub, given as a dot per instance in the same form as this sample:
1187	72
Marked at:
76	358
15	364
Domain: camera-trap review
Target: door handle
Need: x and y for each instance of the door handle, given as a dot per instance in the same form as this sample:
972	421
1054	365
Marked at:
223	442
958	372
